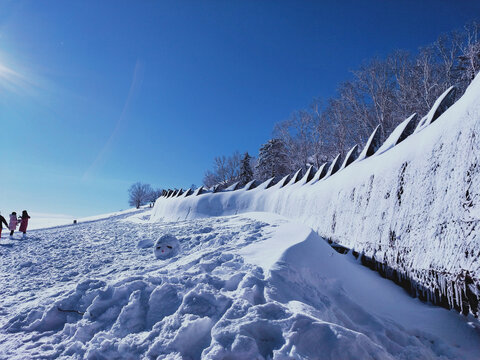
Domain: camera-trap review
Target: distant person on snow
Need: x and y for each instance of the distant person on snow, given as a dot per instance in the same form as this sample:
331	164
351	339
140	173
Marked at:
13	223
2	221
24	223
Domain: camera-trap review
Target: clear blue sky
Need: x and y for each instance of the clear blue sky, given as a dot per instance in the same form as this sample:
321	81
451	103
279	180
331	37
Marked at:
96	95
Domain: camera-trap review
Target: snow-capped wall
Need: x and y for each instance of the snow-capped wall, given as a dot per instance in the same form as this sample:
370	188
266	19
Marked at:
414	206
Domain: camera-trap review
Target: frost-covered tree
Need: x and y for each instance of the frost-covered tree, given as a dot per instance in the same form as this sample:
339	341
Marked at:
306	136
226	170
246	172
139	194
469	58
272	160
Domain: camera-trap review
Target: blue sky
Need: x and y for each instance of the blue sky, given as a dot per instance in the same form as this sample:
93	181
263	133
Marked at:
96	95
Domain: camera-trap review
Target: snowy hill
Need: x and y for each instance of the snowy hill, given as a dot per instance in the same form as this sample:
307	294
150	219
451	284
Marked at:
250	286
46	220
411	209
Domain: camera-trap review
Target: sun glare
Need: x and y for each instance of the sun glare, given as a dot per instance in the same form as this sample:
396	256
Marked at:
12	80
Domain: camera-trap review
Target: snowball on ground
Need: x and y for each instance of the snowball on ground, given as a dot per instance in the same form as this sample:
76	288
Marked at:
166	247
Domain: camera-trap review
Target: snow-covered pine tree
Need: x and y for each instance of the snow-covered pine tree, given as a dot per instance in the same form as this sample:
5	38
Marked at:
272	160
246	172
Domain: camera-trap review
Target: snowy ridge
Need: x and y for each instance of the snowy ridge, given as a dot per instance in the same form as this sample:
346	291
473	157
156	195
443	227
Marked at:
414	208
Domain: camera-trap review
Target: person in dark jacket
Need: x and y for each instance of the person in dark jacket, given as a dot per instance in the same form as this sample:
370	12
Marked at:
24	223
2	221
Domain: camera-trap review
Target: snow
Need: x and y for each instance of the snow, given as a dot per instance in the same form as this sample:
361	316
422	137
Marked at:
403	130
295	178
334	166
350	157
232	187
43	220
440	105
250	185
252	278
321	172
308	176
372	144
198	191
413	208
249	286
40	220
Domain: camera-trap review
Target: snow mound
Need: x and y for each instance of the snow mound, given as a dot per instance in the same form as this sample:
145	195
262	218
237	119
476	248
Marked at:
145	243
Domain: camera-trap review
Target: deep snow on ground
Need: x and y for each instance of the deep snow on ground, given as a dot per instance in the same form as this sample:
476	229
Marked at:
250	286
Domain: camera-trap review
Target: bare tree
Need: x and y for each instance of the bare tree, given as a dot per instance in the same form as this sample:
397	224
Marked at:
226	170
374	84
154	195
139	194
469	58
306	136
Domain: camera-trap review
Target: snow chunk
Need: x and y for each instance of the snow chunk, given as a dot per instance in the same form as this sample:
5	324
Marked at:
166	247
145	243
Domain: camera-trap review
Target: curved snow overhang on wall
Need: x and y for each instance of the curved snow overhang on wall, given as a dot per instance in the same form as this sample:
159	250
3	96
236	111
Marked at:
439	107
188	192
400	133
372	144
233	187
414	206
351	156
251	185
321	172
296	177
308	176
335	166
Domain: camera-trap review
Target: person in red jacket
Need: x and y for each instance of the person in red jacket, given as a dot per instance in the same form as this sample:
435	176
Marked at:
2	221
24	223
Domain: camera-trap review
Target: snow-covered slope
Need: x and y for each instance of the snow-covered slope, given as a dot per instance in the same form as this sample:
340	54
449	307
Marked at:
414	209
250	286
46	220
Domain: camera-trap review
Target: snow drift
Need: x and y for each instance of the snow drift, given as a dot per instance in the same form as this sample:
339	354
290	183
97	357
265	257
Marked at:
412	208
